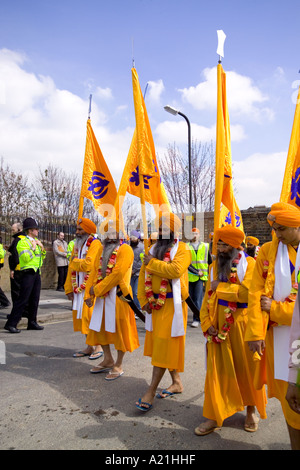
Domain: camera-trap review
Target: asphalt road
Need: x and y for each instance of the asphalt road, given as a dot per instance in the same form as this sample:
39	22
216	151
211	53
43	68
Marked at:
50	401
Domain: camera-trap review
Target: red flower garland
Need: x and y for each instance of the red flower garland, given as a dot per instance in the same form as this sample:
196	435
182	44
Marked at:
156	304
110	265
78	289
232	306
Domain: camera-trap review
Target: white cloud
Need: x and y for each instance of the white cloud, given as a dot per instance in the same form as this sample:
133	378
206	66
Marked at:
104	93
40	124
154	91
258	179
243	97
168	132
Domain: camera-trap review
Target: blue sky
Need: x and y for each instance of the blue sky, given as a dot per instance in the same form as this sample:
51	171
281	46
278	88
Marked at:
54	54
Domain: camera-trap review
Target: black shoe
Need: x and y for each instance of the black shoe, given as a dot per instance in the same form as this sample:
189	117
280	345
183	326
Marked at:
12	329
34	326
60	289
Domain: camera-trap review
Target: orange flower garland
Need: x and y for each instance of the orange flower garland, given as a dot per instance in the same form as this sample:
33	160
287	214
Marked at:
156	304
78	289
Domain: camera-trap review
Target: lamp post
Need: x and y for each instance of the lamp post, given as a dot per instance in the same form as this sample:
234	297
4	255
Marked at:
174	111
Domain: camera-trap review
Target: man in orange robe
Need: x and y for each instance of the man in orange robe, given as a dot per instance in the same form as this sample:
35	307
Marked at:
161	294
271	303
113	321
81	269
230	369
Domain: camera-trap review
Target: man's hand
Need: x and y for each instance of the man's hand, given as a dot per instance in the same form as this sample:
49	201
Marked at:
257	346
147	259
12	274
212	331
70	296
293	397
265	303
214	285
89	302
147	308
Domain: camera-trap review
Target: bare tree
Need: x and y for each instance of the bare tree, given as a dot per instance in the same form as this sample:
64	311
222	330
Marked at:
175	176
16	193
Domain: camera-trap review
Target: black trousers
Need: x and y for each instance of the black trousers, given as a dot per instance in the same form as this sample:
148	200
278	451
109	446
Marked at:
30	288
62	276
15	283
4	302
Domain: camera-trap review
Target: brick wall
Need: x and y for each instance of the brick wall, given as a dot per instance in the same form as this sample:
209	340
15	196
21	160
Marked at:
254	221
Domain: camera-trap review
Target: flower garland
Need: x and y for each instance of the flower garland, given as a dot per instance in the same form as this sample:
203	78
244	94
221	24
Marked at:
78	289
156	304
229	310
110	265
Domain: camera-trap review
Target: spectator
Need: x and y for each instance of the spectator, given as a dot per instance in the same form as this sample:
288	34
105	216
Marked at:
60	249
4	302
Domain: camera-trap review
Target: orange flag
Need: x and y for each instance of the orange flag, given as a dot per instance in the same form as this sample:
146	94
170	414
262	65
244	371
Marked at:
97	183
223	186
290	191
141	175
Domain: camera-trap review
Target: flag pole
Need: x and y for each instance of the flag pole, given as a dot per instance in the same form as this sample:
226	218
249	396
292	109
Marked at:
81	199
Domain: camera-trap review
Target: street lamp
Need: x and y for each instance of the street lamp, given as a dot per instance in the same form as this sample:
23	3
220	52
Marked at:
174	111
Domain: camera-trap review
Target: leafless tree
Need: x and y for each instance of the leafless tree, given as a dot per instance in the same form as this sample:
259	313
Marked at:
175	176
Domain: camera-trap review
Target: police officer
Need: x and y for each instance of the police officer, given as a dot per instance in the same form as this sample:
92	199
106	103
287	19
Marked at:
198	271
31	255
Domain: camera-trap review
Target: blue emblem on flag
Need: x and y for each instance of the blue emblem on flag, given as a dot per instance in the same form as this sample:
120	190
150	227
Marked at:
237	219
295	188
135	178
98	185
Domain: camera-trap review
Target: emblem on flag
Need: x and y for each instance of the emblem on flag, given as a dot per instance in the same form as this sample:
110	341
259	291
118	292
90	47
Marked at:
98	185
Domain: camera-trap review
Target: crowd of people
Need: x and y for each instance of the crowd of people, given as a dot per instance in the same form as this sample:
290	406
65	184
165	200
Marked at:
243	296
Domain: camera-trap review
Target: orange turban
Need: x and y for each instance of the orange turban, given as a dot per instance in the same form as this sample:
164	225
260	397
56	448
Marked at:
230	235
87	225
252	240
170	220
195	230
284	214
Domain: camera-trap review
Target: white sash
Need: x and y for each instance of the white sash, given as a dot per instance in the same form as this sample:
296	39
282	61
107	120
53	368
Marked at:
78	298
177	323
282	289
110	312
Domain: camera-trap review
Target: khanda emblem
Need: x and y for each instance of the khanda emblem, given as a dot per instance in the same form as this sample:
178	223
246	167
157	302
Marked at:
295	187
98	185
237	219
135	178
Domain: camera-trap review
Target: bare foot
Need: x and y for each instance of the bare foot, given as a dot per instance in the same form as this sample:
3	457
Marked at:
251	421
206	428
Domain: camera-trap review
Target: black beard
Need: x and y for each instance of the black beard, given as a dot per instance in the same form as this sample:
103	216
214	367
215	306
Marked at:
224	261
162	246
134	243
251	251
108	247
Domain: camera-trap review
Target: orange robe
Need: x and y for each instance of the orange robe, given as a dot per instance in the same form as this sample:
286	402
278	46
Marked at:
230	368
166	351
259	327
125	337
89	264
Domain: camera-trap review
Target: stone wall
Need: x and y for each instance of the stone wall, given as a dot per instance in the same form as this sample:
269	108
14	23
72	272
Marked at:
49	273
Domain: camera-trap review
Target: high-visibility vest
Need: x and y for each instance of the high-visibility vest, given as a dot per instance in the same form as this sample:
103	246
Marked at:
2	254
29	258
70	248
199	261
